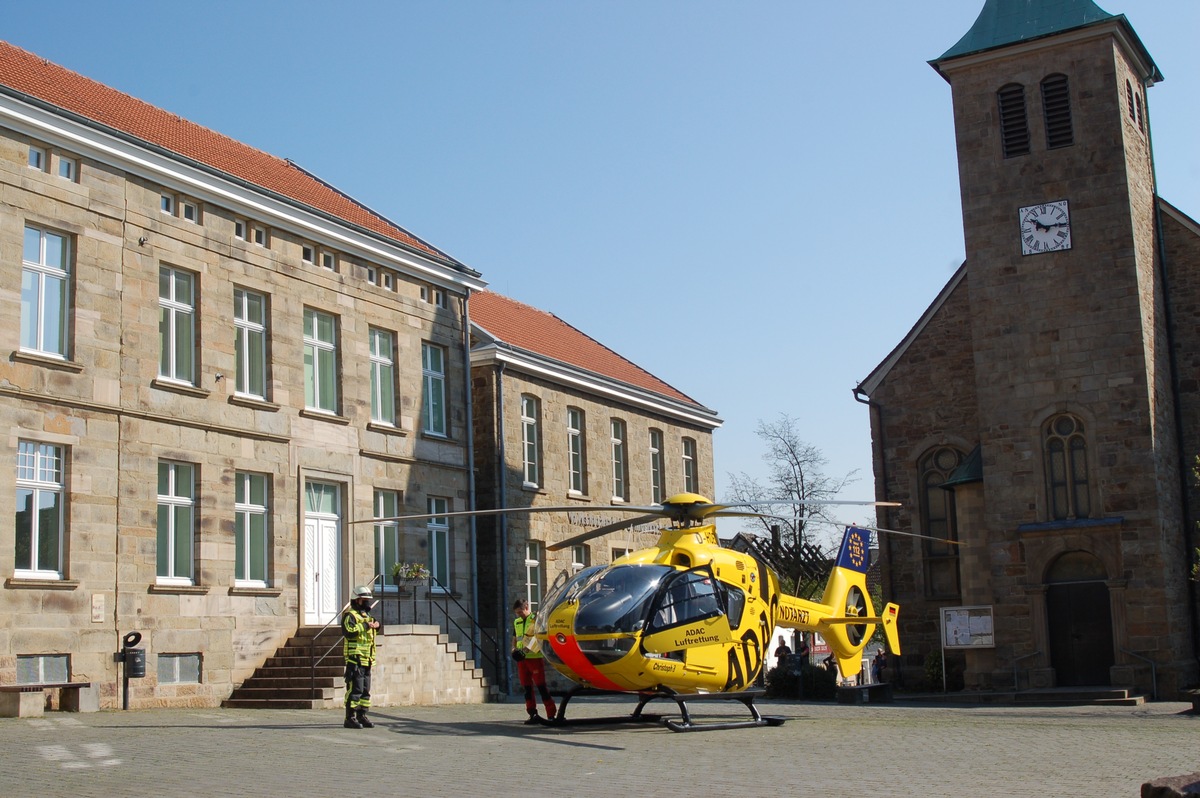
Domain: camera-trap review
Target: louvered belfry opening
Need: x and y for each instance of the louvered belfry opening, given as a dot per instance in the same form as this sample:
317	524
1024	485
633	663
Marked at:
1056	105
1014	124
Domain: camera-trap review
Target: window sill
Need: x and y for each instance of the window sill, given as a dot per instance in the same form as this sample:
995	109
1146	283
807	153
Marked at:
41	584
46	361
180	590
386	429
254	404
179	387
332	418
266	592
582	498
1044	527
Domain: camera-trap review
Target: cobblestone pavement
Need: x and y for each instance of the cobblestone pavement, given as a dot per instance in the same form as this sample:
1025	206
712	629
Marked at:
831	750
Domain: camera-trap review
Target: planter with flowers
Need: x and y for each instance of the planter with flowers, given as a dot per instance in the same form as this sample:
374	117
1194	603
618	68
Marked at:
409	574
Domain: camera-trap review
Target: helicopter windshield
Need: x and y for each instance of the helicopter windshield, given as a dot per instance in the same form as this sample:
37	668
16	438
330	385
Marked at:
617	600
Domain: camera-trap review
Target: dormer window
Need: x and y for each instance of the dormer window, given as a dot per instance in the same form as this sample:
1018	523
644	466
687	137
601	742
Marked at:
1014	123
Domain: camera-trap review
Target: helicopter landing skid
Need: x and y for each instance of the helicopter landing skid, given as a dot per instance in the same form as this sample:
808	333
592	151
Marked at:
686	723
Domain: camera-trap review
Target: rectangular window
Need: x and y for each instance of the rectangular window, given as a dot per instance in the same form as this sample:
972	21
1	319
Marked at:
178	668
388	281
37	158
239	229
176	522
434	296
438	535
329	261
45	284
166	204
372	275
533	574
189	211
68	169
433	389
383	378
251	535
40	517
320	361
579	557
43	668
576	452
176	325
386	504
307	253
620	472
691	482
260	235
530	441
656	466
620	551
250	343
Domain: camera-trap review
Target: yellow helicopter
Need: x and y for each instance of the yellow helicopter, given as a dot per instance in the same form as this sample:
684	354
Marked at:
689	619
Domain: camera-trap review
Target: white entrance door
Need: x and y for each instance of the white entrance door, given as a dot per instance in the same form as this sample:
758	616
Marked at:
322	555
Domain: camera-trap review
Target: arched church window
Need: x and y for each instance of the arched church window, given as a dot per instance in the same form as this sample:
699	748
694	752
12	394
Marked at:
938	520
1056	107
1014	123
1067	489
1137	102
1129	97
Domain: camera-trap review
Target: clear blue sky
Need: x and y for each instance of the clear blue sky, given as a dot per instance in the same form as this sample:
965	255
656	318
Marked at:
753	200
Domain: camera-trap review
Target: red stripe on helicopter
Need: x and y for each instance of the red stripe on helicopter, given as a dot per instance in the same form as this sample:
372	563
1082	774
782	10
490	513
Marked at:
568	651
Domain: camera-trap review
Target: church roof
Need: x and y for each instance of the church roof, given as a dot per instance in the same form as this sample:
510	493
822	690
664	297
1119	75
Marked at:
35	80
517	325
1006	22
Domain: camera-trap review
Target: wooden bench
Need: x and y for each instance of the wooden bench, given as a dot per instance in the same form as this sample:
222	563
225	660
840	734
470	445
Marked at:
29	700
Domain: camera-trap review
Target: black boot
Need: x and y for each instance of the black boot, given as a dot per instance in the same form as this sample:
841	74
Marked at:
533	718
351	721
363	720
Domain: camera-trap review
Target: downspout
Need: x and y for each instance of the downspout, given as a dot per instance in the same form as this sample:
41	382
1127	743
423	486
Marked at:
473	554
502	518
881	493
1189	524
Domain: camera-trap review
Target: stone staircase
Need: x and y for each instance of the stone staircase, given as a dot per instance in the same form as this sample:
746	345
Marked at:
1038	697
416	664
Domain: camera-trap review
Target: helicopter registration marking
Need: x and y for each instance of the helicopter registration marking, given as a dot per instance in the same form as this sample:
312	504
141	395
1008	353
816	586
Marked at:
793	615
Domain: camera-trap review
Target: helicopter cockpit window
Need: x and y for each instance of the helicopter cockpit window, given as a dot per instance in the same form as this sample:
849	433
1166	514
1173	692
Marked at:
617	599
566	591
735	602
691	596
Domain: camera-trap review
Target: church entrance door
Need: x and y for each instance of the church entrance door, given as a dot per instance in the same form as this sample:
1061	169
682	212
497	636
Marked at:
1079	619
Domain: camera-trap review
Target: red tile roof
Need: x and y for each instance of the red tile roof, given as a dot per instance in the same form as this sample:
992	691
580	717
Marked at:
545	334
60	87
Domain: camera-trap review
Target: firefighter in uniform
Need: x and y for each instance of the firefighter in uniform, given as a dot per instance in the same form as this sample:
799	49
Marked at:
358	647
531	667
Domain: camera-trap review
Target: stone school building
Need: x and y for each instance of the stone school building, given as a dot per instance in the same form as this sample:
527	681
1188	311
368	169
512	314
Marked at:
214	368
1043	415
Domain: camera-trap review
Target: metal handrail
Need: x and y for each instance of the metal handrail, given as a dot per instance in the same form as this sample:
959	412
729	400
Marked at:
476	648
312	643
1153	672
1016	683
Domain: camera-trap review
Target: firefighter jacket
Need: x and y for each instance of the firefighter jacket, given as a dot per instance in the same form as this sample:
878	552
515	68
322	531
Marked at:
358	643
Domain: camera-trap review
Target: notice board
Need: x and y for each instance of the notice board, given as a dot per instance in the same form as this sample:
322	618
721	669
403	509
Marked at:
967	627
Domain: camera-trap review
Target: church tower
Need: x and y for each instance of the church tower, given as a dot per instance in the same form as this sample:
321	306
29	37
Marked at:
1034	415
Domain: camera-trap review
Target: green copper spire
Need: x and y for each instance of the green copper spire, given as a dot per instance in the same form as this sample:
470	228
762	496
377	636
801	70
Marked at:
1005	22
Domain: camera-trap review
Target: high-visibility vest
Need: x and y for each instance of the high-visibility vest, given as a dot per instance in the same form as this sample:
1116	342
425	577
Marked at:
358	638
522	630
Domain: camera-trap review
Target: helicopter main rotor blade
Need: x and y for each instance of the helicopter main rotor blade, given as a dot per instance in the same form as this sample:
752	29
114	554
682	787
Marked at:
573	508
909	534
603	530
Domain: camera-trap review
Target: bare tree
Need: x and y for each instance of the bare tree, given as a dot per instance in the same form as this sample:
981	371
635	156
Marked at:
795	473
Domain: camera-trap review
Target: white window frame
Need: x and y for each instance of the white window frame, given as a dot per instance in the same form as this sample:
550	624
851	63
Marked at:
308	253
320	355
37	277
178	505
531	441
189	211
241	229
383	376
657	467
40	468
329	261
433	390
533	574
166	204
168	671
250	343
576	452
177	326
39	158
247	511
68	168
691	476
438	537
259	236
47	668
386	504
620	464
579	557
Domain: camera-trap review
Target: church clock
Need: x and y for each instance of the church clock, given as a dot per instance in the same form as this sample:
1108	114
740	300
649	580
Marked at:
1045	227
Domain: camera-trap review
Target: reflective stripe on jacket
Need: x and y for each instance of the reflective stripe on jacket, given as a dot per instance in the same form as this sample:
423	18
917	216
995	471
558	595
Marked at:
522	630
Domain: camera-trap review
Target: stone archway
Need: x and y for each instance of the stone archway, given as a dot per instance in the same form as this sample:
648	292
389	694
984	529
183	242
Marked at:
1079	620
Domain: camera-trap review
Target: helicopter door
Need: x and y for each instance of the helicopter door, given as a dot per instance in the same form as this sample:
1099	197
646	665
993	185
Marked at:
687	611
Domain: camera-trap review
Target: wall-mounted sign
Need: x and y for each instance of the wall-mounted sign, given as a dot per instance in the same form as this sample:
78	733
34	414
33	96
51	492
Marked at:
967	627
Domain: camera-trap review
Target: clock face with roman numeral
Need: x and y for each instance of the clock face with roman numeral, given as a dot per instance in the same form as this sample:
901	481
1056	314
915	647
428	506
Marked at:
1045	228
